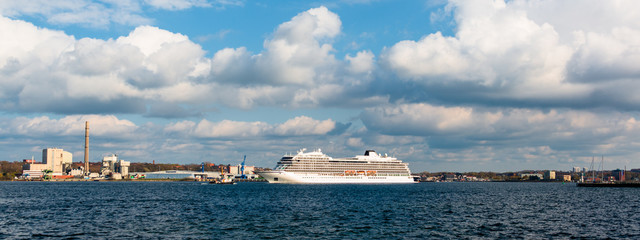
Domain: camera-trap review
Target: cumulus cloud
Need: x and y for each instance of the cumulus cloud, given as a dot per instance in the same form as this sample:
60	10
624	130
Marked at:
100	125
44	70
177	4
361	63
297	53
151	65
425	119
298	126
228	128
304	125
500	138
520	53
297	68
100	14
468	127
83	12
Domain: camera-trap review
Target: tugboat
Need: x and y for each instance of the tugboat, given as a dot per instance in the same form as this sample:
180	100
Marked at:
223	180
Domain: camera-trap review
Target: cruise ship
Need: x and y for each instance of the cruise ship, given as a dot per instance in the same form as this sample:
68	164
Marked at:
317	167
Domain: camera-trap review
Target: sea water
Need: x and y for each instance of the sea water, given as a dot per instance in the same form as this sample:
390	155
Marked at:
191	210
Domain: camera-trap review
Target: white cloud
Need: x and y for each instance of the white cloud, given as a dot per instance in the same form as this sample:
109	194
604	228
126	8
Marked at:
297	54
298	126
228	128
151	39
100	14
49	70
535	52
363	62
83	12
603	57
23	42
177	4
297	67
498	125
43	69
74	125
425	119
304	125
355	142
432	56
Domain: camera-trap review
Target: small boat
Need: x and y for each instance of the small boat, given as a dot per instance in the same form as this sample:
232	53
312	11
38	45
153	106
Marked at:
223	181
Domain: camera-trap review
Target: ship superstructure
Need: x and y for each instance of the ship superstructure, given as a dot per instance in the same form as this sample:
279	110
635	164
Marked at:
317	167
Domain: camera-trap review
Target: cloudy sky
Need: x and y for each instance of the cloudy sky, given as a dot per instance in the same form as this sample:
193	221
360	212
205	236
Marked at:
454	85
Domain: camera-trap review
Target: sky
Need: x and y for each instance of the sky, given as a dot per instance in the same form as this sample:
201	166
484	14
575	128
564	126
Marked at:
457	85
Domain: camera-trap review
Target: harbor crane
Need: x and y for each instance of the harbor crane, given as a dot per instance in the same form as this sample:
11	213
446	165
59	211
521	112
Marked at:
242	176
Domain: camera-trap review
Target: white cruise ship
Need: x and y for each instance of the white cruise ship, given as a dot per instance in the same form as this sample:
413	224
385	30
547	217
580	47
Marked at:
317	167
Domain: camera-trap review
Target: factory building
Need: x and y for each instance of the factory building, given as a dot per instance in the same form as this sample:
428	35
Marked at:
54	159
115	168
235	170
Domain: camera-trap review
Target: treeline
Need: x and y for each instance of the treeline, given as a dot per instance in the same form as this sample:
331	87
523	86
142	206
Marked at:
9	170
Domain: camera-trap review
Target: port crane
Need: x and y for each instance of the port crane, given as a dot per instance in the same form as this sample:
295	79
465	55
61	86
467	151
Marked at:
242	176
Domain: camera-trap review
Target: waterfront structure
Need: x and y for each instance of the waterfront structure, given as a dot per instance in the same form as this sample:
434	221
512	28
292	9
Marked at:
235	170
530	175
316	167
550	175
178	174
566	178
55	160
31	174
77	171
114	167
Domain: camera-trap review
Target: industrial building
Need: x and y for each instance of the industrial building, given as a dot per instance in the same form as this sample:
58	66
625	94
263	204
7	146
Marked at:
550	175
235	170
55	160
531	175
114	168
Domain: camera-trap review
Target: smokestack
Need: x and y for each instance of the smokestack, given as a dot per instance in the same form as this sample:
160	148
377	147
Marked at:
86	148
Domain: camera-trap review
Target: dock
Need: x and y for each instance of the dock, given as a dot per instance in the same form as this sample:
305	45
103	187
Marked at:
614	184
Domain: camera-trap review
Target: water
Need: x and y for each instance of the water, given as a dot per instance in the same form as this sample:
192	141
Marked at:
189	210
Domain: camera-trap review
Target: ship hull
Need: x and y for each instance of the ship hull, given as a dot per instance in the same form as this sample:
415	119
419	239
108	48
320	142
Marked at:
310	178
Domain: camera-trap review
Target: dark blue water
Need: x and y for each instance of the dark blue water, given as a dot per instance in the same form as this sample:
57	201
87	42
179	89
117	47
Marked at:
185	210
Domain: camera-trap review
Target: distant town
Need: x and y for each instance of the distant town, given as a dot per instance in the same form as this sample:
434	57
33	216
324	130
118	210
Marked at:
577	174
56	165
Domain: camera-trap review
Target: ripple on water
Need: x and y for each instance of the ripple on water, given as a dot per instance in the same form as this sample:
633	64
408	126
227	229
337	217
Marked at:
184	210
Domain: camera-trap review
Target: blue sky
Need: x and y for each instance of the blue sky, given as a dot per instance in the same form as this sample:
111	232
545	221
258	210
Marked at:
444	85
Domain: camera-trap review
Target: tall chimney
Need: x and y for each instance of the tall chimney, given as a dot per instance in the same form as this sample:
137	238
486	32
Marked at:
86	148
